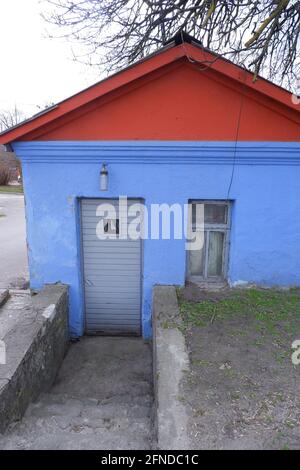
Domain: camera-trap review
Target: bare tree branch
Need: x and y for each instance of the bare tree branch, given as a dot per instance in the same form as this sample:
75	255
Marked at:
274	16
10	118
111	34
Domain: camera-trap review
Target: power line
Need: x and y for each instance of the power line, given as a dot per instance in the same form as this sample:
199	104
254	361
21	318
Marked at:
237	134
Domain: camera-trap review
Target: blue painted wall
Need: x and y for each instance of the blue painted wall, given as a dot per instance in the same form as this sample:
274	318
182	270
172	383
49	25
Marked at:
265	190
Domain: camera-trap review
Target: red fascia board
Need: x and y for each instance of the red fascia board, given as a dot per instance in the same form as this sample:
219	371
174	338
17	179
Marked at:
195	54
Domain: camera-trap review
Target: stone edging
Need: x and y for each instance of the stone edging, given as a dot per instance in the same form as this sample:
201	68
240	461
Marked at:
170	362
4	294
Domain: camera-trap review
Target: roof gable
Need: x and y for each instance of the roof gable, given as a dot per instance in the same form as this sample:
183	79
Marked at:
168	73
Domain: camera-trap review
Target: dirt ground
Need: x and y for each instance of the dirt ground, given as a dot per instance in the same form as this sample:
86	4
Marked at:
243	389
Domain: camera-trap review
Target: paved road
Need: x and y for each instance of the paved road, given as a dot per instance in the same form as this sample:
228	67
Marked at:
13	253
102	399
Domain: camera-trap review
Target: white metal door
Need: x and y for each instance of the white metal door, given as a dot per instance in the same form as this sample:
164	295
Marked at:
112	271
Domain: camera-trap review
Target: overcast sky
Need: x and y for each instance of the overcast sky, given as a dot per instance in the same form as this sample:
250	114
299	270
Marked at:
35	70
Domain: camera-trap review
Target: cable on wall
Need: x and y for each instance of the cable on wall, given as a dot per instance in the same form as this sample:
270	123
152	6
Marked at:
237	134
206	67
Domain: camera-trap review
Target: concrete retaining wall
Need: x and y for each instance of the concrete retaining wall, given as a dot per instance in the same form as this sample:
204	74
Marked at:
35	348
170	361
4	294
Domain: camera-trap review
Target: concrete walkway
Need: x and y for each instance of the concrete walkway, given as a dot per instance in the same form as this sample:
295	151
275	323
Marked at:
102	399
13	251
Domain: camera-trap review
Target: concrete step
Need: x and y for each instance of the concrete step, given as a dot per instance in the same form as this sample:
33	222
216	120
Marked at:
121	399
59	418
80	439
102	399
61	404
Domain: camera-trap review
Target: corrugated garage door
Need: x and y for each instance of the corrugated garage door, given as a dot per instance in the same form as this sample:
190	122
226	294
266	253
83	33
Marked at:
112	273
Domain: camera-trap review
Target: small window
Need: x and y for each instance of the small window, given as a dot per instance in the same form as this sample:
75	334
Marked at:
111	226
210	261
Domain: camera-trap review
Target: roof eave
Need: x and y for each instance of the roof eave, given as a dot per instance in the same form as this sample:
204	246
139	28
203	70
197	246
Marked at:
164	56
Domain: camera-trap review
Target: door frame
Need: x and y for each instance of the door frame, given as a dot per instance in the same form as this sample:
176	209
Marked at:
80	227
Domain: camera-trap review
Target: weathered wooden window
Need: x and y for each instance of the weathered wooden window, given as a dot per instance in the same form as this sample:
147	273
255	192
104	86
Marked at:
209	262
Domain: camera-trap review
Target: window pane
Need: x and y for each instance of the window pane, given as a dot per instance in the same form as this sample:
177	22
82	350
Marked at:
215	214
196	258
111	226
197	213
215	253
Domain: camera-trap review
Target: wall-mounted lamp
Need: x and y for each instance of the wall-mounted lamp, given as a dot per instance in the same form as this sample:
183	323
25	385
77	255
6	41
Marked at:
103	178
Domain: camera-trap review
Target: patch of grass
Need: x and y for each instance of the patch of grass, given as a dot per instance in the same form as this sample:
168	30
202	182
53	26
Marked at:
11	189
282	356
202	363
275	398
275	311
258	342
237	333
166	325
235	395
230	374
181	399
291	423
285	447
199	412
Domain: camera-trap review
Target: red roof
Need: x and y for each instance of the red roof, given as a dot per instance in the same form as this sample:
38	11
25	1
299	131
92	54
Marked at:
190	54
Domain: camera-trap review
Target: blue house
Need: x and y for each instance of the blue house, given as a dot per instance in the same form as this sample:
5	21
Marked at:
183	145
